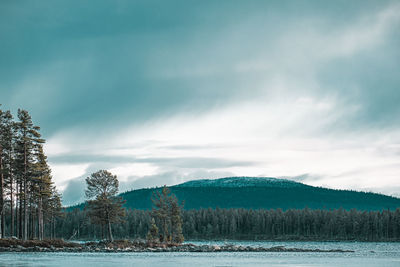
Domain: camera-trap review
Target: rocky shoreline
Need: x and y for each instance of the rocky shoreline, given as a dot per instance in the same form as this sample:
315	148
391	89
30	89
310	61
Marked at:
13	245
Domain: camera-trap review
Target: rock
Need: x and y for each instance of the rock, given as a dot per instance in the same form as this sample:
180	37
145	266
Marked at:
216	248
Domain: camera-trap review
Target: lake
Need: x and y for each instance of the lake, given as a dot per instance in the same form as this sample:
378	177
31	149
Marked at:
366	254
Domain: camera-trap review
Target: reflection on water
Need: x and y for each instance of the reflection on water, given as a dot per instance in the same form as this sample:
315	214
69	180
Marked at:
366	254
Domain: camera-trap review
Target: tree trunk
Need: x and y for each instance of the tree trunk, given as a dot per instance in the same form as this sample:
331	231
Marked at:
20	211
25	234
51	227
12	233
16	208
110	236
54	227
40	219
32	225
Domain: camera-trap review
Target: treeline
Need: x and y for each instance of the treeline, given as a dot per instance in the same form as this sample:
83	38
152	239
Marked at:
29	202
248	224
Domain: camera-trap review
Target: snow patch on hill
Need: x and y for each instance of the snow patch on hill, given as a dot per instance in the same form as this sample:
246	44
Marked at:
242	182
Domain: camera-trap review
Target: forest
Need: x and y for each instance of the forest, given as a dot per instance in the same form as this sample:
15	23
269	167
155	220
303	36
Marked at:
29	201
248	224
266	196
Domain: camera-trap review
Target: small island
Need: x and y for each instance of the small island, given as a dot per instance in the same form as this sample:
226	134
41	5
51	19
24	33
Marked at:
14	245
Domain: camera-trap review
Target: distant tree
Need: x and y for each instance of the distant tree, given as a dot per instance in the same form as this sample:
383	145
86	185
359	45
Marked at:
168	212
152	235
104	206
176	219
161	211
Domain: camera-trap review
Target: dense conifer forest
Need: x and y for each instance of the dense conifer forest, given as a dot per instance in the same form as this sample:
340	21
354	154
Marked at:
249	224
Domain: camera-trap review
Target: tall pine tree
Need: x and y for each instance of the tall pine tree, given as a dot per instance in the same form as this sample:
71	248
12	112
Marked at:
28	137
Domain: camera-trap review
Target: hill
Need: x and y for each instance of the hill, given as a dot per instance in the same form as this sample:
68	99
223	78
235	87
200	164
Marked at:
261	193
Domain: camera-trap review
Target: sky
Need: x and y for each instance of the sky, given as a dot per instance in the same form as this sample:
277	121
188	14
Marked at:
162	92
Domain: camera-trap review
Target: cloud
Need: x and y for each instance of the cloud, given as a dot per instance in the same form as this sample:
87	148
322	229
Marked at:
74	192
170	178
307	90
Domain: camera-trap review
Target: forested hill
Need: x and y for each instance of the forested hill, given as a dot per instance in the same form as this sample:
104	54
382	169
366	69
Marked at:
263	193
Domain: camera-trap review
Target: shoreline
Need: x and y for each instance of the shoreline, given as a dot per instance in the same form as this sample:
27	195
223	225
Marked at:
15	245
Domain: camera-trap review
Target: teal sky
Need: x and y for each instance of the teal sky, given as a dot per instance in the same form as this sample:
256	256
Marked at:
160	92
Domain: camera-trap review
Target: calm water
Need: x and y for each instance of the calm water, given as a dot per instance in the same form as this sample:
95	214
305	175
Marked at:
367	254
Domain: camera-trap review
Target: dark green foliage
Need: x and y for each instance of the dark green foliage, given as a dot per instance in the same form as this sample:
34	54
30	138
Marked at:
161	211
267	197
268	212
248	224
152	235
176	220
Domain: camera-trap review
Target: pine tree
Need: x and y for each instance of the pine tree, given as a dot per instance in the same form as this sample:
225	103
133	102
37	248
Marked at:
161	211
105	208
152	235
176	219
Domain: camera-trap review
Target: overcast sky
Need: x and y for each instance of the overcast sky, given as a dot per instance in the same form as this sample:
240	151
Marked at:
161	92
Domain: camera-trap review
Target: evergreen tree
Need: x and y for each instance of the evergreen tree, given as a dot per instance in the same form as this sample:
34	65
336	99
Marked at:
104	206
41	187
152	235
161	211
168	212
28	137
176	219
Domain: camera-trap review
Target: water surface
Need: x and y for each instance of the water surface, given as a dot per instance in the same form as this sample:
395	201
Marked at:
366	254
